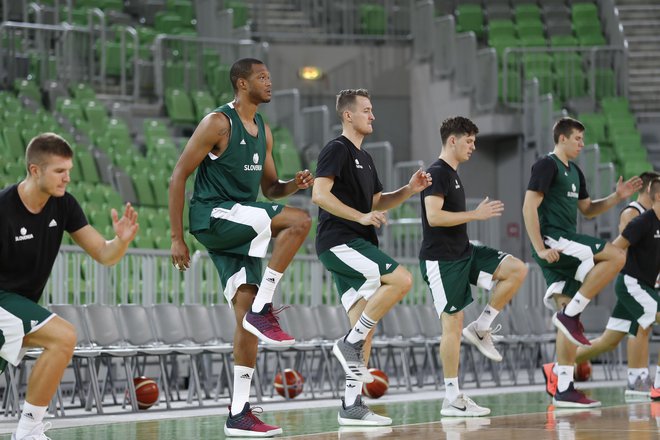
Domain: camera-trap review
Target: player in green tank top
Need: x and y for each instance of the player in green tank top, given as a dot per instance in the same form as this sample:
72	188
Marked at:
231	149
576	267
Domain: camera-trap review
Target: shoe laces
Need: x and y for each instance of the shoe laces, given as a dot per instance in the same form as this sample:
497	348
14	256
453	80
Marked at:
250	415
271	315
493	333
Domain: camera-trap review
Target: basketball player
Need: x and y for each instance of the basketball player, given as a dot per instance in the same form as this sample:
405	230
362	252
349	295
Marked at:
637	300
36	212
449	263
351	206
576	267
231	149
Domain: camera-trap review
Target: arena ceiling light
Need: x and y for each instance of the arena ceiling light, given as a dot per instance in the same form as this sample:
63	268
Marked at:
310	73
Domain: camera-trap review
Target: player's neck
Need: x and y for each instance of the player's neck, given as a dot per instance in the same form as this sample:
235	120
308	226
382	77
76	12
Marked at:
245	108
656	208
561	155
645	202
450	159
353	136
31	196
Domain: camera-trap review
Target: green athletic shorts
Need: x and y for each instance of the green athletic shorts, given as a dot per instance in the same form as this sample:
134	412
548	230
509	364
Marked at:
636	305
19	316
356	268
576	260
240	228
450	281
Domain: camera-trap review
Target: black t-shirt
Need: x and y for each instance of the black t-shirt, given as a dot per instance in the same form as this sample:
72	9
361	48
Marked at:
355	184
643	260
444	242
29	243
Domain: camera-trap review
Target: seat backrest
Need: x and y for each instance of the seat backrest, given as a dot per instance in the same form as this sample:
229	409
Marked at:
197	319
136	325
102	325
224	322
169	325
330	324
408	322
300	322
390	323
73	314
428	320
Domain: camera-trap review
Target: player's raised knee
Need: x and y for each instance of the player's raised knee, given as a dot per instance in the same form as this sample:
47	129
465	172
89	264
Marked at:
404	280
66	337
518	269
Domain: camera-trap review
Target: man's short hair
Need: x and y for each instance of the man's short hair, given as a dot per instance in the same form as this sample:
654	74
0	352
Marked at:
457	126
654	188
565	126
242	69
44	145
346	98
647	177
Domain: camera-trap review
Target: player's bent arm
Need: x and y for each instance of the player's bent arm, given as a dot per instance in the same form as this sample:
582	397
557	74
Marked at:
212	131
592	208
106	252
323	197
271	186
626	216
533	200
437	217
384	201
621	242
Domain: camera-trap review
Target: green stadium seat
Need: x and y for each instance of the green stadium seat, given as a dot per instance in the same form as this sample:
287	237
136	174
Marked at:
29	89
83	91
570	84
533	41
203	102
581	12
544	78
240	10
470	18
605	83
219	81
563	41
87	165
160	187
592	40
96	115
514	87
373	19
13	142
594	124
165	22
615	106
501	28
527	11
500	44
143	189
69	108
529	29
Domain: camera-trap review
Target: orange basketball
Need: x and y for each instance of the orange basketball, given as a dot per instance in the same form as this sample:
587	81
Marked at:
379	386
582	371
294	383
146	390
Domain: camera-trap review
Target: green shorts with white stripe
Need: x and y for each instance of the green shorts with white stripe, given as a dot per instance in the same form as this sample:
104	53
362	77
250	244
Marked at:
636	305
450	281
356	268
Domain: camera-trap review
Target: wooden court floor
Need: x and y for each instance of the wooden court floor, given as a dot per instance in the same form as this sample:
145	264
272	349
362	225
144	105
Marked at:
525	416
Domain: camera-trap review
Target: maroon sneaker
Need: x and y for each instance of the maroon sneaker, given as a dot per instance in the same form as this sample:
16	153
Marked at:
551	379
571	327
572	398
246	424
266	327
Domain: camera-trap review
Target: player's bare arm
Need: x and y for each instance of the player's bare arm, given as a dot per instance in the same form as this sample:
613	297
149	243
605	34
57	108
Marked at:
626	217
109	252
323	197
274	188
419	181
533	200
437	217
210	136
591	208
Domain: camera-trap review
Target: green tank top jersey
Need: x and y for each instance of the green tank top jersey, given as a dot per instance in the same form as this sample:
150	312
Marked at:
234	176
558	211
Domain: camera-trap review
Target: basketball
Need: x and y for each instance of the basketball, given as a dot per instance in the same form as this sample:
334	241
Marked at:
379	386
294	383
582	371
146	390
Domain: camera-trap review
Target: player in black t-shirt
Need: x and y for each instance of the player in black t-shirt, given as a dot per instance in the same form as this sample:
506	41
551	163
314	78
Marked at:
36	212
638	303
449	263
351	205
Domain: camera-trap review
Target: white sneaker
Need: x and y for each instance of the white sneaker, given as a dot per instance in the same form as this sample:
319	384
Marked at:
360	414
37	433
463	406
483	340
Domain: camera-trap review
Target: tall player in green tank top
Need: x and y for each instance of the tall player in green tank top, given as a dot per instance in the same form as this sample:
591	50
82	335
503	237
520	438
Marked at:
231	149
576	267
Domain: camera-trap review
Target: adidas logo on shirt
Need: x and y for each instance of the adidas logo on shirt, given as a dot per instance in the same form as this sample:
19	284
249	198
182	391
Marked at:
52	223
243	142
388	265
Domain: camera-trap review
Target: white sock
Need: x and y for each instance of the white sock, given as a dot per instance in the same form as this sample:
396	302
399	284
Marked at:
451	388
361	329
486	319
565	375
266	289
351	391
577	305
242	382
657	377
31	417
634	373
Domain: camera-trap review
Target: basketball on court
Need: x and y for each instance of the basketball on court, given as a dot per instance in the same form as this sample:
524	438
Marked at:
379	386
146	390
294	383
582	371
